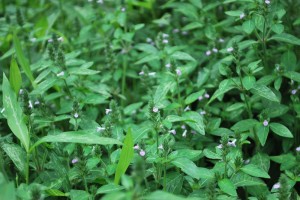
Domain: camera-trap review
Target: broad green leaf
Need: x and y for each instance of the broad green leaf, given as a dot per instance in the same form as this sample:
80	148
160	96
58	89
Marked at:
293	75
162	90
248	82
262	160
196	121
187	166
224	87
83	71
44	86
289	61
262	133
16	154
211	155
148	58
109	188
190	154
14	114
205	173
281	130
125	157
81	137
234	13
157	195
148	48
264	92
244	125
140	131
241	179
21	58
278	28
254	170
174	118
7	189
227	186
285	37
287	161
192	25
79	195
193	97
178	55
174	182
15	77
248	26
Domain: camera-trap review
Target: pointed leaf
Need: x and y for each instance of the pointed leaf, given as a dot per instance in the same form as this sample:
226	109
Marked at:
281	130
195	121
15	77
227	186
264	92
254	170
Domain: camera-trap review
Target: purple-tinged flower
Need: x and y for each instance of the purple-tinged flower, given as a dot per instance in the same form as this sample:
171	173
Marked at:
165	41
136	147
298	149
168	65
276	186
267	1
202	112
164	35
242	15
183	127
50	40
141	73
247	161
206	96
229	49
142	153
151	73
76	115
123	9
294	92
62	73
107	111
207	53
173	131
100	1
200	98
74	160
265	122
220	146
184	133
178	72
37	102
184	33
193	132
232	143
149	40
176	30
221	40
215	50
155	109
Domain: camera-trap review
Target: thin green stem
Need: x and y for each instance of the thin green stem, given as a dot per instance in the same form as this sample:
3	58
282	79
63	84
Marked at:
85	185
27	168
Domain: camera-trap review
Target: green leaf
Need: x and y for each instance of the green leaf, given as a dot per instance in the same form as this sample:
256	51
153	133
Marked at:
15	77
264	92
224	87
125	157
293	75
289	60
254	170
79	195
81	137
44	86
248	82
193	97
109	188
187	167
262	133
157	195
55	193
241	179
211	155
7	189
195	121
227	186
22	59
14	114
244	125
281	130
174	182
234	13
248	26
190	154
262	160
178	55
17	155
285	37
162	90
277	28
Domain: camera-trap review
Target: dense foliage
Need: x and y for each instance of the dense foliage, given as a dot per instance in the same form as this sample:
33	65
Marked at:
132	99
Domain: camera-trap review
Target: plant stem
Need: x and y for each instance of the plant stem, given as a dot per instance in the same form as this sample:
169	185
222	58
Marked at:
27	168
125	63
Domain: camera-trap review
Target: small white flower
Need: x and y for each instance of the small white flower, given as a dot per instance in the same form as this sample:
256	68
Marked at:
173	131
155	109
184	32
265	123
220	146
193	132
202	112
50	40
99	129
178	72
276	186
232	143
74	160
21	91
242	15
184	133
165	41
141	73
107	111
60	39
221	40
267	1
62	73
151	73
168	65
33	39
298	149
76	115
247	161
123	9
176	30
208	52
148	40
161	147
30	104
164	35
215	50
229	49
90	0
142	153
100	1
36	102
294	91
136	147
200	98
2	111
183	127
187	109
206	96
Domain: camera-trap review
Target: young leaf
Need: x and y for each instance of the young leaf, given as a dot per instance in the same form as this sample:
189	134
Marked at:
264	92
262	133
248	82
244	125
248	26
21	58
281	130
227	186
82	137
285	37
254	170
15	77
196	122
125	157
14	114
